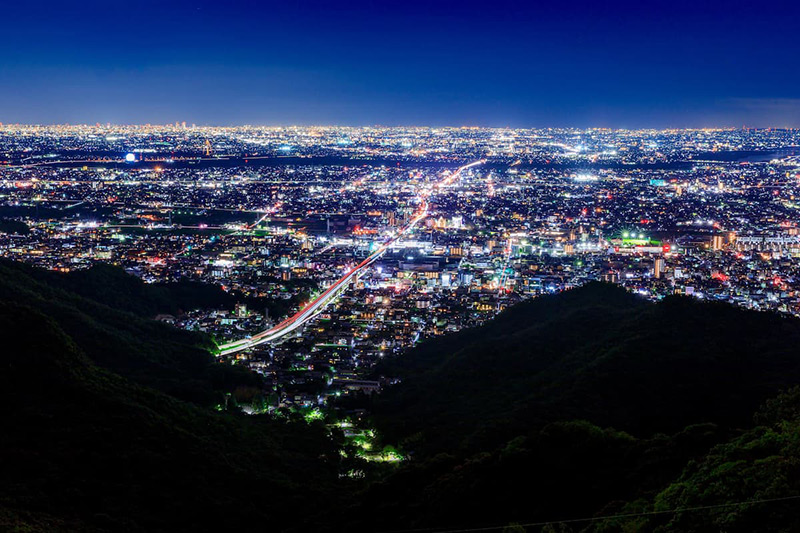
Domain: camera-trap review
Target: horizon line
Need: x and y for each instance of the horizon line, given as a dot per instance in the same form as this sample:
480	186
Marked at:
185	125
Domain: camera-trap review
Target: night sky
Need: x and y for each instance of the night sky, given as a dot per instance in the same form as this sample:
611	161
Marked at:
493	63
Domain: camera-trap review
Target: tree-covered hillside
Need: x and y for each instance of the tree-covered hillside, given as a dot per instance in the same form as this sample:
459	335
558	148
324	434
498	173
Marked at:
592	407
569	405
123	337
85	449
596	353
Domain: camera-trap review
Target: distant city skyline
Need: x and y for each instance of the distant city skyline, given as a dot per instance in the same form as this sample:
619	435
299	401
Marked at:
519	64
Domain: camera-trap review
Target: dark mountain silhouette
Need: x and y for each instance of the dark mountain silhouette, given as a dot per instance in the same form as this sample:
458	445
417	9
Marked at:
89	443
566	405
591	403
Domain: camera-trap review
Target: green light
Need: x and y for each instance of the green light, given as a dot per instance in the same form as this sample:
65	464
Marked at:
314	414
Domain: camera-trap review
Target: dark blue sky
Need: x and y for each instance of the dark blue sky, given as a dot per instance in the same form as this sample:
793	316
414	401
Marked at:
497	63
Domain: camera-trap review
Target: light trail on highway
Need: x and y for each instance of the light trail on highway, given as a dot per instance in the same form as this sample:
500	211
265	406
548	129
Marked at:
314	307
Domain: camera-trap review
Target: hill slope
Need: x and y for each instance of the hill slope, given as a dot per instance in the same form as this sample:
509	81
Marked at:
591	402
597	353
85	449
568	406
116	337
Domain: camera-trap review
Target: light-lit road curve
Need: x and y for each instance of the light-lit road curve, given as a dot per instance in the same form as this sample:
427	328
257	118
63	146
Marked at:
320	302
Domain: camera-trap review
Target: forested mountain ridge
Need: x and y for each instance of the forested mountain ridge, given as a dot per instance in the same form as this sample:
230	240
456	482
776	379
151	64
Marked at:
90	445
596	353
123	338
568	405
589	403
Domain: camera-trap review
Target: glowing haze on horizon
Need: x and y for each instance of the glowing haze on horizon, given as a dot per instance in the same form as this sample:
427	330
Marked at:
505	63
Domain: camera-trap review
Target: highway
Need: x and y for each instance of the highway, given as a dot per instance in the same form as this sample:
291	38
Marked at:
320	302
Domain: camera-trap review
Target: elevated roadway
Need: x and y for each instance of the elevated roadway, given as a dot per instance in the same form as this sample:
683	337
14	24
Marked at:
315	306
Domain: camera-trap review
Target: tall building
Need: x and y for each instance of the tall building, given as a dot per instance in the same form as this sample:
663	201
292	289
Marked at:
658	267
717	242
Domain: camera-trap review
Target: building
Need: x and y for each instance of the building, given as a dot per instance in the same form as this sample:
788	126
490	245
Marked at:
658	267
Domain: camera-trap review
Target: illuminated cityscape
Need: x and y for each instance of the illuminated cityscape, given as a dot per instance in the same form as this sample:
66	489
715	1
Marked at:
373	240
435	266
